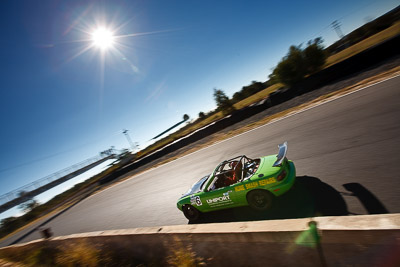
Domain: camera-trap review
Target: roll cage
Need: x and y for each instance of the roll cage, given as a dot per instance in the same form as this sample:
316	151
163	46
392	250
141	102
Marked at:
240	167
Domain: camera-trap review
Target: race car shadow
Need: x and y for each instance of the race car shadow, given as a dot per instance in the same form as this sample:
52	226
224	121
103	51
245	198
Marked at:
370	202
308	197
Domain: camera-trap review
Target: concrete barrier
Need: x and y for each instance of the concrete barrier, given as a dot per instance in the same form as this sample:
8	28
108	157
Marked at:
367	240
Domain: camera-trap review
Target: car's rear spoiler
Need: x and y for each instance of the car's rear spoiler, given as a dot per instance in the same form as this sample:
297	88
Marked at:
281	155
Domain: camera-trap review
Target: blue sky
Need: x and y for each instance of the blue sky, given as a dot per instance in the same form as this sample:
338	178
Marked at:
61	103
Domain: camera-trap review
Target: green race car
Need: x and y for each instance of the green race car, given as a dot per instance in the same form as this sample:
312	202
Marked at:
240	181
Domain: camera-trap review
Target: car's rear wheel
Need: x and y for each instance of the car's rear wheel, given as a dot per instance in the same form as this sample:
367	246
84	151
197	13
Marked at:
260	199
190	212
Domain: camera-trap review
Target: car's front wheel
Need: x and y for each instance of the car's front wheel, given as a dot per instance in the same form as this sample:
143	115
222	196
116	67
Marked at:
190	212
259	199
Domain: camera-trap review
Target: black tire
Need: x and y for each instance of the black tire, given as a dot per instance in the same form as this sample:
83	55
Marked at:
190	212
260	199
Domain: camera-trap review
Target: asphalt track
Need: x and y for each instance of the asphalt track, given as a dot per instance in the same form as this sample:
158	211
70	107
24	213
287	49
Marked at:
346	153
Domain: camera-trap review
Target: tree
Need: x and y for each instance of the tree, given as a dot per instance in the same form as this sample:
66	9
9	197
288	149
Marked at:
291	69
238	96
6	221
224	104
299	62
29	205
8	224
202	115
314	55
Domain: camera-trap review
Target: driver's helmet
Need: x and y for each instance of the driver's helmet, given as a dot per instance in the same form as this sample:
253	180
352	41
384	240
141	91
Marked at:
233	164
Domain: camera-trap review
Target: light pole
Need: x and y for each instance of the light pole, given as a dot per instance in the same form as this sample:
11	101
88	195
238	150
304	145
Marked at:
125	132
336	26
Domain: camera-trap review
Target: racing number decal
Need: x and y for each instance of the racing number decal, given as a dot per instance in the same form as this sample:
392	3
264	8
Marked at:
195	200
198	201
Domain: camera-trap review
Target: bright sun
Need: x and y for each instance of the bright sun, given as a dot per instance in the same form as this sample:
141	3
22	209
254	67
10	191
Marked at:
103	38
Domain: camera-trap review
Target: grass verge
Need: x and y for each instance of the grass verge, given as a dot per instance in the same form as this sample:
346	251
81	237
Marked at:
373	40
258	96
82	252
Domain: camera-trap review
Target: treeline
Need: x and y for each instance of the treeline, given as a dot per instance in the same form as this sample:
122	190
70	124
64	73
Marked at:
293	68
301	62
249	90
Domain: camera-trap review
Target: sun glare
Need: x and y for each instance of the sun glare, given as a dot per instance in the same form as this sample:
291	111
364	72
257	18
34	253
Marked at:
103	38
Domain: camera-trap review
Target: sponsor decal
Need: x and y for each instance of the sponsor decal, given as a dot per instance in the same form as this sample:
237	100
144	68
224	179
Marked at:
195	200
251	185
225	199
267	181
239	188
218	199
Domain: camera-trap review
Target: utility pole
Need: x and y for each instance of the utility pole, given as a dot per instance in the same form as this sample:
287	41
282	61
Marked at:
125	132
336	26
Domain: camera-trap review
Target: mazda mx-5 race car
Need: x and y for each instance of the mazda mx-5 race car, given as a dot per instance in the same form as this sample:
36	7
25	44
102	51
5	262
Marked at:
240	181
